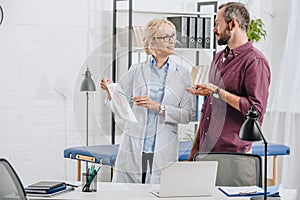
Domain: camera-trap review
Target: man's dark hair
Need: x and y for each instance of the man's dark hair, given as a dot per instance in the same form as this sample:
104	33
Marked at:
238	11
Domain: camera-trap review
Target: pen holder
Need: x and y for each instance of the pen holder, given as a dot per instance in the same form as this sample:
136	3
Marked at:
89	182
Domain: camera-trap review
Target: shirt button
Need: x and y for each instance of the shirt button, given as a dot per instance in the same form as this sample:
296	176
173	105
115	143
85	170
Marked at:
210	103
205	133
207	118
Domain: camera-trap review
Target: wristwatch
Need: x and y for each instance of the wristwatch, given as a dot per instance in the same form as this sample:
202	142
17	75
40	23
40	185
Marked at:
216	93
162	109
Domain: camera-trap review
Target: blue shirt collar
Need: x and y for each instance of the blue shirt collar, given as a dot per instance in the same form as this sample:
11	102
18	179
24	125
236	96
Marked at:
153	62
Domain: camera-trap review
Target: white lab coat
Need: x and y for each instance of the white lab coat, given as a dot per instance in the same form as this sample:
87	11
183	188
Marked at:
180	107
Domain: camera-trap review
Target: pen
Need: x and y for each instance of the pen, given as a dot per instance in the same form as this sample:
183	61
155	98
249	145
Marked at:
92	170
98	170
69	184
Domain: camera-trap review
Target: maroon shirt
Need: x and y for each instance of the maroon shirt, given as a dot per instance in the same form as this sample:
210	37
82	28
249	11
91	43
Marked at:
245	72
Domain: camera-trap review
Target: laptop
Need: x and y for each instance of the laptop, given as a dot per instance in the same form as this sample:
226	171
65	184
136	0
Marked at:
184	179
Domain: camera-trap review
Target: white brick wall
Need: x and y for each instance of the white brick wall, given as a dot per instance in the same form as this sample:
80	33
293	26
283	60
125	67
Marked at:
43	47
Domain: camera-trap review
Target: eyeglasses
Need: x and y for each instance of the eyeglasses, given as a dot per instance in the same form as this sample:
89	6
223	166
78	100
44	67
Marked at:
167	38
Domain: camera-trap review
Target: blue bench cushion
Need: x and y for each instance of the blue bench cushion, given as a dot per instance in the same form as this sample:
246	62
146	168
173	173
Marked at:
258	148
106	154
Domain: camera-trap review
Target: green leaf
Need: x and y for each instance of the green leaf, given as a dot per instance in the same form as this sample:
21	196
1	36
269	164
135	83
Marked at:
256	30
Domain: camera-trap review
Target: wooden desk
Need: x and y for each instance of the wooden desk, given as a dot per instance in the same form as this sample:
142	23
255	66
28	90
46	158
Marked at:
117	191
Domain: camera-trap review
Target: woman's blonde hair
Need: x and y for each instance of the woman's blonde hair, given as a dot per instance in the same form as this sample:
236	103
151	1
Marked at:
150	32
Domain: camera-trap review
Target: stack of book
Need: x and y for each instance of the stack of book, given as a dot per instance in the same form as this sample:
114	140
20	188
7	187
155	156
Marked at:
137	36
47	188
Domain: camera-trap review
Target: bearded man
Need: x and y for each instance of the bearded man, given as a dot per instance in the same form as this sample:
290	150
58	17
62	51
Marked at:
239	78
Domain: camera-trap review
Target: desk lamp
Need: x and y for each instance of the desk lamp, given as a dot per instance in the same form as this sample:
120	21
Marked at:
87	86
251	131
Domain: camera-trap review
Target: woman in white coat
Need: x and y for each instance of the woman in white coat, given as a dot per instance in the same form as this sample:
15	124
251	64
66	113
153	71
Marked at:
159	101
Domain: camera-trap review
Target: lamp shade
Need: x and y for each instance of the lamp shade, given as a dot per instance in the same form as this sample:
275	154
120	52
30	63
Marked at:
88	83
250	130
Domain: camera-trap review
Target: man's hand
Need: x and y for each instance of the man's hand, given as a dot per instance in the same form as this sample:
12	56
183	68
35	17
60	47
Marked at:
199	89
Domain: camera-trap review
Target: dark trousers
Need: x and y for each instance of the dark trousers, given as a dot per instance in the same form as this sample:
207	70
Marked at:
146	158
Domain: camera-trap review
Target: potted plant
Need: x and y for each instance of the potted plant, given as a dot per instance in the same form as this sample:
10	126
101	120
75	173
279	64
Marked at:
256	30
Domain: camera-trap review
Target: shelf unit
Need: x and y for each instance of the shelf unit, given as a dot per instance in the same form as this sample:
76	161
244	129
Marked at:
130	49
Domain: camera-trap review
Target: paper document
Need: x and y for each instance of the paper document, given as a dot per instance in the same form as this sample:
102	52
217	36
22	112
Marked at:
242	191
120	102
200	74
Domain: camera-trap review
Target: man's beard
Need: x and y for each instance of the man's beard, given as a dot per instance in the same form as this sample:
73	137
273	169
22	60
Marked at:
224	37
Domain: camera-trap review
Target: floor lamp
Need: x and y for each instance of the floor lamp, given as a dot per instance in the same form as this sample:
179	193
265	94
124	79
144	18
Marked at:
87	86
251	131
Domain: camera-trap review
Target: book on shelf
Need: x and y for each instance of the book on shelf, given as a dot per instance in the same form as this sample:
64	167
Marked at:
137	36
192	32
199	32
207	32
181	24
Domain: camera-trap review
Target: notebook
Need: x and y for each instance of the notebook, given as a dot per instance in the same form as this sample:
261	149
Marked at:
47	191
66	189
45	185
183	179
11	186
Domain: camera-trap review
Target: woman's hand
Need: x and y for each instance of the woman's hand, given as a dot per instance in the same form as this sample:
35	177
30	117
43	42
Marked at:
103	85
146	102
104	82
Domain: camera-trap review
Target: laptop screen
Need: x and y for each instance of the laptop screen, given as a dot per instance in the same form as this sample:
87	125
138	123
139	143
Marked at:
11	187
188	179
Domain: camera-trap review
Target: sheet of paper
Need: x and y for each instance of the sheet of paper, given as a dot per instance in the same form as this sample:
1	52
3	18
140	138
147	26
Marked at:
242	191
120	102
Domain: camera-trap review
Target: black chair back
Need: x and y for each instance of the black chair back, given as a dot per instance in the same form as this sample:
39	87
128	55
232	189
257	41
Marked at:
11	187
235	169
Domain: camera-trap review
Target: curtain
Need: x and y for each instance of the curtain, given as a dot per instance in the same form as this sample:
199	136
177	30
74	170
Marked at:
283	116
